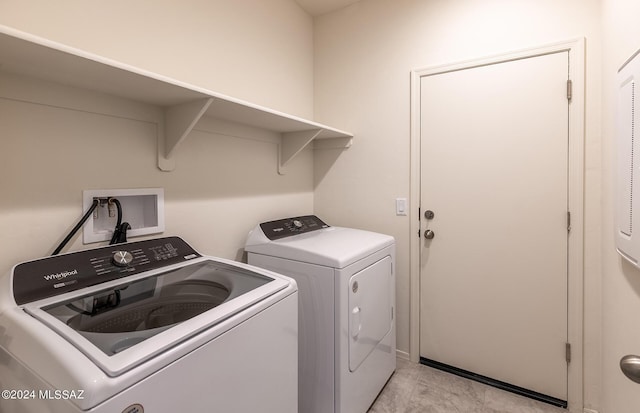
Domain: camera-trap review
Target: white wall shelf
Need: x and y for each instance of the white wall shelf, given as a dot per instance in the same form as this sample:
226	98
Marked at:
183	104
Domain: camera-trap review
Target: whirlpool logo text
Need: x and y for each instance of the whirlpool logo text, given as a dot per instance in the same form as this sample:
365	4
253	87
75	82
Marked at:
60	275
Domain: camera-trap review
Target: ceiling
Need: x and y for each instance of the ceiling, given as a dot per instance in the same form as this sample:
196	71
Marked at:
318	7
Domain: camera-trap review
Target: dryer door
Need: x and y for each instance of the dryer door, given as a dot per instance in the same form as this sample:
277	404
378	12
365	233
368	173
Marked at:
370	310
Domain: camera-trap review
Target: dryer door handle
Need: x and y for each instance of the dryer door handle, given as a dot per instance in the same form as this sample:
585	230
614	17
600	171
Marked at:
356	322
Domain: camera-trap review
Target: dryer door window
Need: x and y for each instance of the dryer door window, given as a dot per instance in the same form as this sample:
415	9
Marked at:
370	310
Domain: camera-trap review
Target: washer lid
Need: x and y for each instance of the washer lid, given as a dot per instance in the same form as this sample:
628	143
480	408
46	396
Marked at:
123	323
334	247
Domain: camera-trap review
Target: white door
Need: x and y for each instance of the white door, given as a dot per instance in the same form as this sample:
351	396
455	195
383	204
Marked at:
494	158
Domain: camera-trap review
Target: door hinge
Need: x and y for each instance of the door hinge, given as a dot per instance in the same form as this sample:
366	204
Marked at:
567	352
568	221
569	89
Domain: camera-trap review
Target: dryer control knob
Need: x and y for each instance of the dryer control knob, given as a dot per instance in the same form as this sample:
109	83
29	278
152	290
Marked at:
297	223
121	258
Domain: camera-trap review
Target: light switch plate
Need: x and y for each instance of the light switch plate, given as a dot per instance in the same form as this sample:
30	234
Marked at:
401	206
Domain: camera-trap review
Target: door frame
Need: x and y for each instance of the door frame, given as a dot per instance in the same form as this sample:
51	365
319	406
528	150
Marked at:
575	298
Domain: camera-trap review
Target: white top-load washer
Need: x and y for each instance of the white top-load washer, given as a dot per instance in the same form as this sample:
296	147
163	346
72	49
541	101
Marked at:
149	326
346	282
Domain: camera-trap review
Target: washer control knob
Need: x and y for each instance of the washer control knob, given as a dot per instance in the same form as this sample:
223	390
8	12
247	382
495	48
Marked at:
297	224
121	258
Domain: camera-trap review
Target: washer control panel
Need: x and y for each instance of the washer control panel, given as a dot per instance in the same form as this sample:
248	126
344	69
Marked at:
50	276
292	226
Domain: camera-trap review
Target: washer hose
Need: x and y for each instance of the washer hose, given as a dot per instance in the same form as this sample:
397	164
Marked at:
75	229
116	231
120	233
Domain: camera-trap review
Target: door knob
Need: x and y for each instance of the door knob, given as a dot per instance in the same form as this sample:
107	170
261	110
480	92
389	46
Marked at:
428	234
630	366
428	214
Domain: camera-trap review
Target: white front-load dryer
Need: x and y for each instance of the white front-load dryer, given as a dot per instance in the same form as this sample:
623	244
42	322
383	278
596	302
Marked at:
148	326
346	284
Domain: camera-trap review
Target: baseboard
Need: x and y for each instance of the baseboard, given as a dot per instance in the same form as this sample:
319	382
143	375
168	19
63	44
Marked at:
405	356
590	411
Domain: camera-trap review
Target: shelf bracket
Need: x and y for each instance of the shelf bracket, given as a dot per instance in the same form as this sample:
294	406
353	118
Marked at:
292	144
333	143
179	120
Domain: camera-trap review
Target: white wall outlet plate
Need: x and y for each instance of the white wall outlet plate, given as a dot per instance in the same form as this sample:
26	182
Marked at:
142	208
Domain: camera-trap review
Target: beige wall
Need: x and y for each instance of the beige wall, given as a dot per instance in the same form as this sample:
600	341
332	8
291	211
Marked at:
620	280
364	55
58	141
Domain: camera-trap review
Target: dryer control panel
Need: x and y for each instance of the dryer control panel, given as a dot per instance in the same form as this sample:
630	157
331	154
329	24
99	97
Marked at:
291	226
50	276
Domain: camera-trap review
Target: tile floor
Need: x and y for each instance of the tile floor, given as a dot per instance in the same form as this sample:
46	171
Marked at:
415	388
